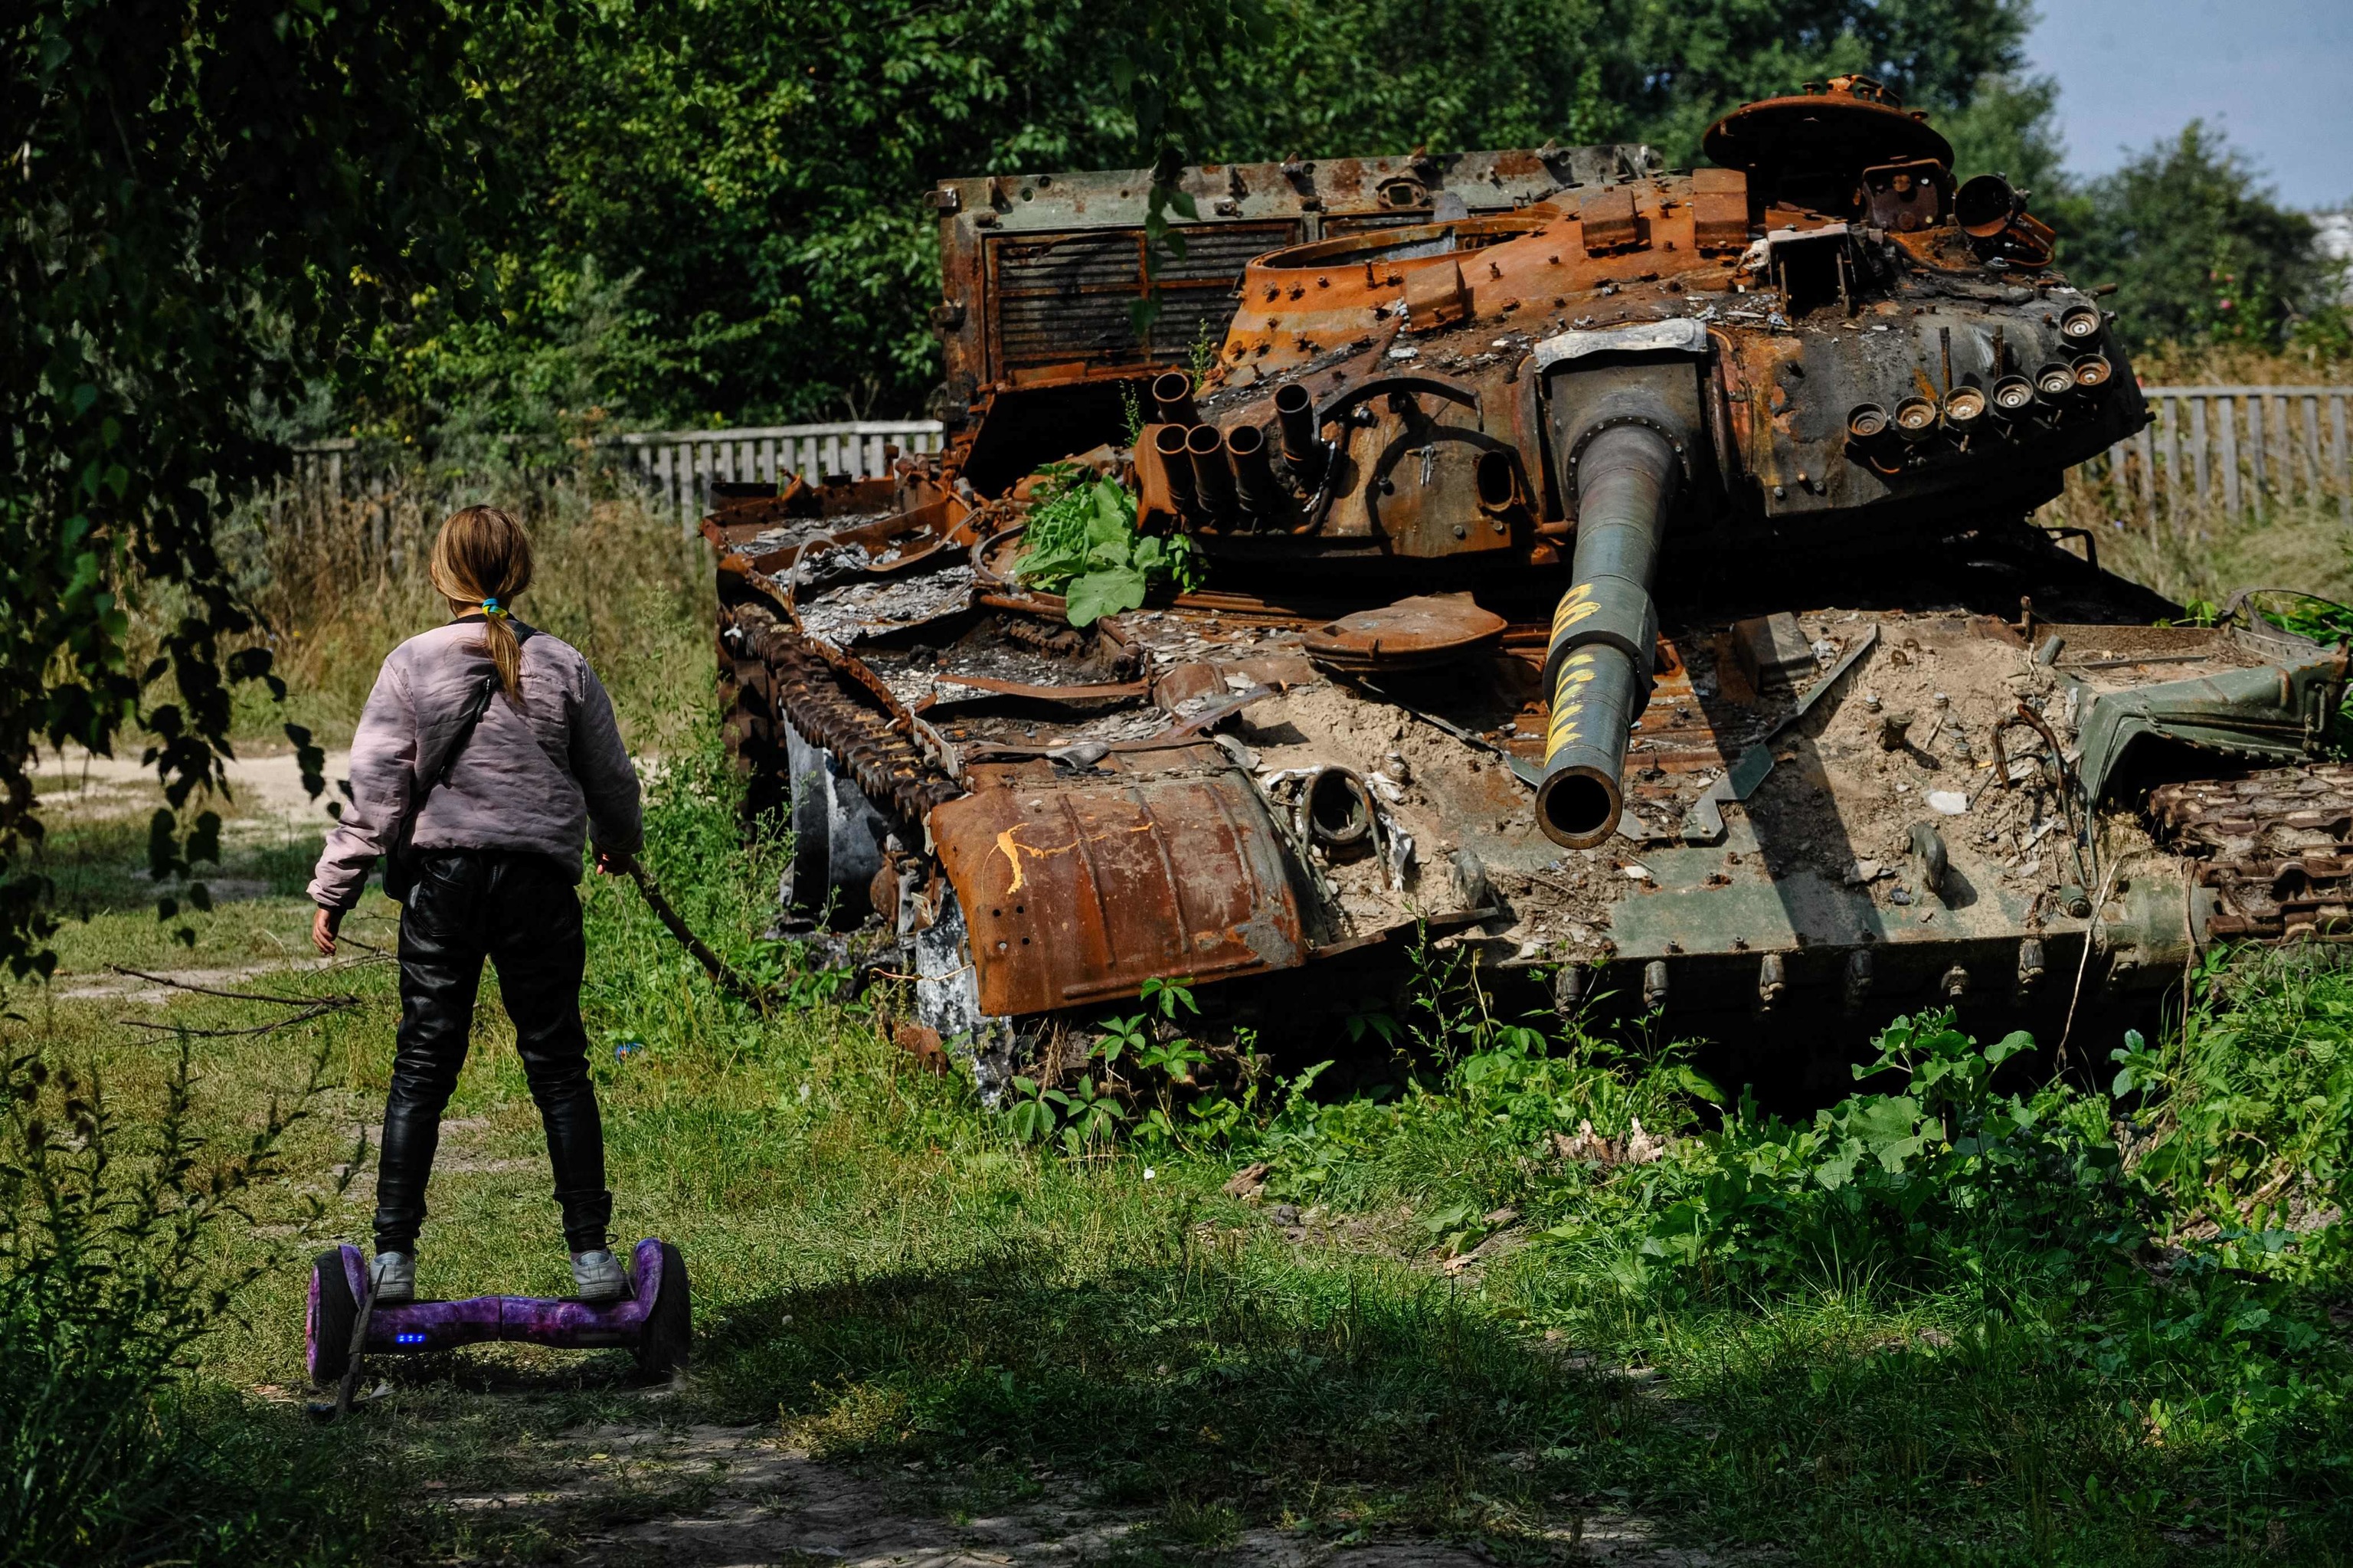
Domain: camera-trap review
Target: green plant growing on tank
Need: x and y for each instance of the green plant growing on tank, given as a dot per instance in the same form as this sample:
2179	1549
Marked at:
1203	354
1084	544
2306	615
2322	619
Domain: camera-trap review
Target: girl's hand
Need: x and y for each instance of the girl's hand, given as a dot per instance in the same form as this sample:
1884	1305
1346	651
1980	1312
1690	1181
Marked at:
324	925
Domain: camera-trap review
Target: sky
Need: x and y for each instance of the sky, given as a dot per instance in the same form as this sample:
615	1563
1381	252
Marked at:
2275	75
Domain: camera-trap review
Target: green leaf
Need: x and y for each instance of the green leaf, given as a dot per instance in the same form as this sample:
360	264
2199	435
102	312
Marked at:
2008	1045
1697	1084
1111	535
1101	593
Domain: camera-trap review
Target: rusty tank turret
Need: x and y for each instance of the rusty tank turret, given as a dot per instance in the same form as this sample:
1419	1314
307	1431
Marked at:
1628	575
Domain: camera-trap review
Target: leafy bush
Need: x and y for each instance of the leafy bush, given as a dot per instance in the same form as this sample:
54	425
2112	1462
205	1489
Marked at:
2198	248
1083	543
2247	1110
1944	1172
106	1288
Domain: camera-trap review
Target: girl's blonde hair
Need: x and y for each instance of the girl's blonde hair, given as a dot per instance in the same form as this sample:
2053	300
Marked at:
481	559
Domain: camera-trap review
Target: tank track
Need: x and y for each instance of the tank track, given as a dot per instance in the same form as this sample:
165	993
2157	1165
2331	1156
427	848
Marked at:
2274	846
802	690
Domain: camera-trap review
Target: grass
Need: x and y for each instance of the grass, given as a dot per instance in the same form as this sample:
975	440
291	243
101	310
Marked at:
613	579
2238	364
2304	545
886	1276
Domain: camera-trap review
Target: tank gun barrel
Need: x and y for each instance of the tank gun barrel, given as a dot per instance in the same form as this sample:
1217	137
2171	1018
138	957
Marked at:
1604	647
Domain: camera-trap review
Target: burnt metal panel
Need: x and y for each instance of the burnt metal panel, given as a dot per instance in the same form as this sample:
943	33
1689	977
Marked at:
1609	218
1245	210
1068	298
1720	208
1080	889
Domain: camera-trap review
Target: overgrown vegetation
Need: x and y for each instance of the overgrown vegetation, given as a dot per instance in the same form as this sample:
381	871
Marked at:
207	205
1532	1274
2150	1283
2209	555
343	583
109	1232
1081	541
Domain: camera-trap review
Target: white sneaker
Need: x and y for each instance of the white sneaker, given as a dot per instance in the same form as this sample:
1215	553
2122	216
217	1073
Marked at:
395	1277
597	1277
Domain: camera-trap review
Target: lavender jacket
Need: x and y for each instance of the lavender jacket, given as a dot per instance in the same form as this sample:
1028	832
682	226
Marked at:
533	779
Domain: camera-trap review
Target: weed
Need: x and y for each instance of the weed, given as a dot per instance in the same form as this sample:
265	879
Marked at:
2244	1116
1083	543
105	1294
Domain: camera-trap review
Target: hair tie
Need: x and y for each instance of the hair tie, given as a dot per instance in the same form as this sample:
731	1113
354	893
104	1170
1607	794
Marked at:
491	608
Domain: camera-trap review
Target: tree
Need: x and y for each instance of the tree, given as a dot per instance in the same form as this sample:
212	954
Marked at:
753	172
2197	249
1675	64
209	202
1350	77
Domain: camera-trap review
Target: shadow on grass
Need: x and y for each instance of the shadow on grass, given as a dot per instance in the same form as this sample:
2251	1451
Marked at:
102	868
1350	1391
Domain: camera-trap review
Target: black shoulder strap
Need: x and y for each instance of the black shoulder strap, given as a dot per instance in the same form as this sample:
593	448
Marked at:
475	709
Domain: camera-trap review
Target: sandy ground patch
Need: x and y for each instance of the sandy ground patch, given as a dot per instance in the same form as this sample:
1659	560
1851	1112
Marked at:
154	987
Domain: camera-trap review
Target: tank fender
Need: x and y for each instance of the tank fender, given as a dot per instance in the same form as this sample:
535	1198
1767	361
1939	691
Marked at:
2273	713
1078	888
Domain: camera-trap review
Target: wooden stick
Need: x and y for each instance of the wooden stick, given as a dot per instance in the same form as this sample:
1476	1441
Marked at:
724	977
333	1004
237	995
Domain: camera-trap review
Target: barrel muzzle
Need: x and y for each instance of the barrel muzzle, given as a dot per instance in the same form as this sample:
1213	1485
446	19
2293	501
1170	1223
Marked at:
1303	450
1581	797
1172	399
1261	497
1176	466
1605	634
1213	476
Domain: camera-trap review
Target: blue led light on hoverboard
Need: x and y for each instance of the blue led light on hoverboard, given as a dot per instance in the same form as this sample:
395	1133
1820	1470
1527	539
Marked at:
411	1338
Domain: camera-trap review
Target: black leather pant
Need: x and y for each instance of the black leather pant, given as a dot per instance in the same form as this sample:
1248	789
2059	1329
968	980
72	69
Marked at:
521	912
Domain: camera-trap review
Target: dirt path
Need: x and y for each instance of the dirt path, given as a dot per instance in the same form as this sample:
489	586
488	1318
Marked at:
76	783
729	1496
154	988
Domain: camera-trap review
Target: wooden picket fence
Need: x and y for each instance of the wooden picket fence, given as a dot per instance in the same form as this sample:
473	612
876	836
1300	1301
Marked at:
2227	452
680	466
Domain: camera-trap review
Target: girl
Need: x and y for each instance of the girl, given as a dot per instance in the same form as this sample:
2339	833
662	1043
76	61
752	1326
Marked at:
484	752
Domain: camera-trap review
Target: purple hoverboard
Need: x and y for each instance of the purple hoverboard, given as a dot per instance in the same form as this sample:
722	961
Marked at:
652	1322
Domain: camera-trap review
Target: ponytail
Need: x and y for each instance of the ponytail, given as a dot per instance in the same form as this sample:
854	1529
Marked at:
482	561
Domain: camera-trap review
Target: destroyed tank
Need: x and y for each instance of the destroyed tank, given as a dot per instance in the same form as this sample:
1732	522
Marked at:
1625	577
